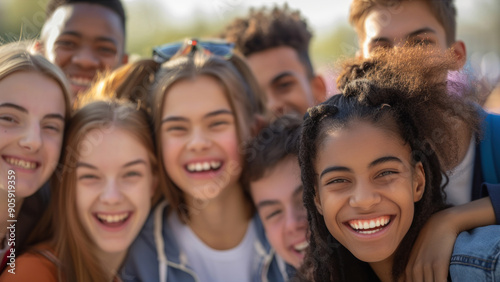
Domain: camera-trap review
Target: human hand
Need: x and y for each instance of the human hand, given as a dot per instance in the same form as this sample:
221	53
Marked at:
430	257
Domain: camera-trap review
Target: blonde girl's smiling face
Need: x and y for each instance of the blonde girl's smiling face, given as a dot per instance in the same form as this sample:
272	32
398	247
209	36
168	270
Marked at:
366	190
114	186
199	137
32	115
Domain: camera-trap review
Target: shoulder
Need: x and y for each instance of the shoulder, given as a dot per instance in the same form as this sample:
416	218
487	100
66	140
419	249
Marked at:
37	264
476	254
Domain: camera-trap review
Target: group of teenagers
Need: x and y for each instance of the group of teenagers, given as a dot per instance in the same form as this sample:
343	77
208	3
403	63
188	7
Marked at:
224	160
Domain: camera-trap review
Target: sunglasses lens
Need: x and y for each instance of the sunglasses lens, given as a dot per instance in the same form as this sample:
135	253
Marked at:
167	51
219	49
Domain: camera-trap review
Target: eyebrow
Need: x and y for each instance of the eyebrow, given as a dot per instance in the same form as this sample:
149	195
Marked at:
420	31
211	114
266	203
414	33
372	164
24	110
99	38
281	75
82	164
13	106
384	160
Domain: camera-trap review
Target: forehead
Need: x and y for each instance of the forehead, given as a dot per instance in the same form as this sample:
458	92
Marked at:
197	96
111	146
42	95
87	20
348	145
279	183
268	64
401	20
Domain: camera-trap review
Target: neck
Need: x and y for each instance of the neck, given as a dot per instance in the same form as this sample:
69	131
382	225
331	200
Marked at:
221	222
383	269
464	136
112	262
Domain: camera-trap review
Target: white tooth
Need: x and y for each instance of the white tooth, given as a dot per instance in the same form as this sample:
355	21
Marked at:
215	165
199	167
372	224
356	226
366	225
301	246
385	221
206	166
116	218
191	167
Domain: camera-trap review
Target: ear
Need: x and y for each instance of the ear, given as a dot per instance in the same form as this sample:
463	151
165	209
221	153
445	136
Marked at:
460	53
317	202
418	182
318	88
259	123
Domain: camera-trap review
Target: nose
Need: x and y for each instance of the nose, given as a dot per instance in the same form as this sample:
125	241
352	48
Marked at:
32	138
275	105
199	141
85	58
111	194
296	219
364	196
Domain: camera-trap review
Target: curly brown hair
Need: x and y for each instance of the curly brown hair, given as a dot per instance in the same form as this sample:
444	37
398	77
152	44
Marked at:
402	91
265	28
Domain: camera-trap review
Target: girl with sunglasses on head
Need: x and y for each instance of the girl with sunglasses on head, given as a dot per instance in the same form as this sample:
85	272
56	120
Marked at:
206	229
372	167
34	108
102	196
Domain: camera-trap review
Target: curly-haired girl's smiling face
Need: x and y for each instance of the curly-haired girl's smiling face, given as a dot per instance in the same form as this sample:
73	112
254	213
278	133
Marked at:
366	190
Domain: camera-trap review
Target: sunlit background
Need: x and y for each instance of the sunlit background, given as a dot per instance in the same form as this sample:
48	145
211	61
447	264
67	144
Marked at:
153	22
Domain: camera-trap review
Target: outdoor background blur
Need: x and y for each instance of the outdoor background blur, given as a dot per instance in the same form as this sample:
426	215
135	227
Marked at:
154	22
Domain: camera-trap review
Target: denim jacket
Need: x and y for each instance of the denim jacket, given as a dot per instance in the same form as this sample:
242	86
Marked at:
476	255
155	254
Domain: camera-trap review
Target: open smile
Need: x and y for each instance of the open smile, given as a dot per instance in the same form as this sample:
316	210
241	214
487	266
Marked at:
113	222
369	226
21	163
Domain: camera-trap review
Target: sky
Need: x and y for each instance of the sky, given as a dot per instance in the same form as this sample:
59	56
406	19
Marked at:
321	14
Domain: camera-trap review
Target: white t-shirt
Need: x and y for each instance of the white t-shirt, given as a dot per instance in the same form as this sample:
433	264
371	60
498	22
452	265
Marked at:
459	188
234	265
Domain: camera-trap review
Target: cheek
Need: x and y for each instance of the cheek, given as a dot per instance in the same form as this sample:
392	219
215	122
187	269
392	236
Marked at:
171	148
229	142
52	147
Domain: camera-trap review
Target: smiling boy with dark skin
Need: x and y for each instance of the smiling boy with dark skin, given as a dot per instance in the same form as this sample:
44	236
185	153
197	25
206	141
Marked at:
84	37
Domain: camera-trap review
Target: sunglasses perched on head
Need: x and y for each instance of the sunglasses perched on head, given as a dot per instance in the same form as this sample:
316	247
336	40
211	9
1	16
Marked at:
165	52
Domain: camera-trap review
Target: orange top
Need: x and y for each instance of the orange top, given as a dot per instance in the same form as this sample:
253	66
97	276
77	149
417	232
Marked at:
38	264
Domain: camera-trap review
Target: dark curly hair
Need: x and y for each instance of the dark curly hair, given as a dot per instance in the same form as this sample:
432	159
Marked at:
402	91
265	28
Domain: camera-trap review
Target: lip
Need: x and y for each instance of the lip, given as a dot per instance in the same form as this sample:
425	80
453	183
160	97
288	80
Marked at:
371	236
294	251
80	82
18	168
207	174
113	227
